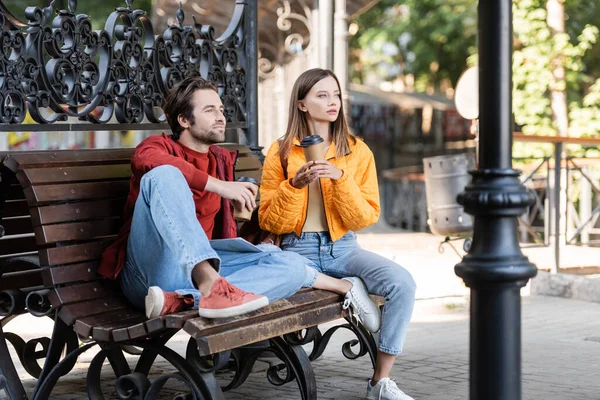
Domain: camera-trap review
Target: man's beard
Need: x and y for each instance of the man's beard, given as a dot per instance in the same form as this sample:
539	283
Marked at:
209	137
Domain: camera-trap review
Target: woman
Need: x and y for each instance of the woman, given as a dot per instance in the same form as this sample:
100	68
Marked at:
323	202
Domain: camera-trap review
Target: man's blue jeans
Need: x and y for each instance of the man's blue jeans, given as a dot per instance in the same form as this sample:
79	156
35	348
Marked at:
167	241
383	277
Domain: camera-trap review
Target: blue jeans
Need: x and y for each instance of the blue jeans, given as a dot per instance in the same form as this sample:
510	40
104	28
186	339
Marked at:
383	277
166	242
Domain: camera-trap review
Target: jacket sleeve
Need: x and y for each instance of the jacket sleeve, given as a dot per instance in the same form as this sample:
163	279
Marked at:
357	197
153	153
281	204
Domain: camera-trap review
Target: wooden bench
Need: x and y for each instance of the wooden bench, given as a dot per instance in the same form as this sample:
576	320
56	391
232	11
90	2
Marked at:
59	212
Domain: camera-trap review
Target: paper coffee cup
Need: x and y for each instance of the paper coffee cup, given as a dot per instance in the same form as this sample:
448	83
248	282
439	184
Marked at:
241	213
313	148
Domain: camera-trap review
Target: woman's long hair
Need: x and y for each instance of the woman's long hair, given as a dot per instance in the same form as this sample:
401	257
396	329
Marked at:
297	127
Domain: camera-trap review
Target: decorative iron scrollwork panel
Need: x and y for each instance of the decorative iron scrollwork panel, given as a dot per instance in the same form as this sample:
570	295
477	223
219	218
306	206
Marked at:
56	67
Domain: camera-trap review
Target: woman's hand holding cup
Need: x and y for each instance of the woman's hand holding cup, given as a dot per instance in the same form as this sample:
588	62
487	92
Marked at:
325	169
304	176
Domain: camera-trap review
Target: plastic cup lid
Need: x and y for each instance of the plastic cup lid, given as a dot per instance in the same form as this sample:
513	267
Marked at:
310	140
247	179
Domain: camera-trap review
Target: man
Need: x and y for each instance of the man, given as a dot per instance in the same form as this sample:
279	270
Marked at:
180	197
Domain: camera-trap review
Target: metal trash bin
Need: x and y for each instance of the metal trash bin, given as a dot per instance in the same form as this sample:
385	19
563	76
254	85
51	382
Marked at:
445	177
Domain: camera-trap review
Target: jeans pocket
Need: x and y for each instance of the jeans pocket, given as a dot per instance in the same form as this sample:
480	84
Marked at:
343	247
289	241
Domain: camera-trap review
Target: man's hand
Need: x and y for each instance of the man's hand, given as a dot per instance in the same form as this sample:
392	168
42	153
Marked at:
304	176
243	193
325	169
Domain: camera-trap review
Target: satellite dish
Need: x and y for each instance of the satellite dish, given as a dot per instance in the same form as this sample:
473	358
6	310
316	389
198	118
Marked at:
466	96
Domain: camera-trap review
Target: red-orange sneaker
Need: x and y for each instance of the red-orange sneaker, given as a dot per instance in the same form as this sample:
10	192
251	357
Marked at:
159	302
226	300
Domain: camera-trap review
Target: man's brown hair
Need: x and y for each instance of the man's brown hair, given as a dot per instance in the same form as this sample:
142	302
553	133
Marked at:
179	101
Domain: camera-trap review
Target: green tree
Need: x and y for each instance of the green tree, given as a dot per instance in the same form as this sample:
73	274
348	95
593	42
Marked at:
556	60
427	39
538	52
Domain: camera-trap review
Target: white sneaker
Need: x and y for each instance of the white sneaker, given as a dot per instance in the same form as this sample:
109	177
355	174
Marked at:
386	389
363	308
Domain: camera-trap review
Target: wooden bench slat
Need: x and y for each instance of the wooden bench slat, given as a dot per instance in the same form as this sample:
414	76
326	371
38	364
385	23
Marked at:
15	208
84	326
17	244
240	148
179	319
21	279
9	177
157	324
131	332
248	164
104	333
20	263
72	312
72	254
17	226
34	176
77	211
38	159
14	192
255	332
43	194
80	292
70	273
298	301
47	234
256	175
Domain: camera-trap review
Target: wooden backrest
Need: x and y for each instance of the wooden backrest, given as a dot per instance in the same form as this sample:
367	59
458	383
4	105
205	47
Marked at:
17	233
66	206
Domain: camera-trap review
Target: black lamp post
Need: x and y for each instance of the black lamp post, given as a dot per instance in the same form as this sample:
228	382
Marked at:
495	268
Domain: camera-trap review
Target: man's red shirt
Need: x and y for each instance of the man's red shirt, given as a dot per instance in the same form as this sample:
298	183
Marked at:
214	213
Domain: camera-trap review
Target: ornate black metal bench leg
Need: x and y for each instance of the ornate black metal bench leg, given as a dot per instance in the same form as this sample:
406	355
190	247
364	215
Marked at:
137	385
212	385
9	379
297	365
207	366
45	385
364	340
149	354
117	361
62	335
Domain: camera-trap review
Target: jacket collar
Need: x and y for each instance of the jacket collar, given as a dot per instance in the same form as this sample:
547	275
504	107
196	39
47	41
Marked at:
330	151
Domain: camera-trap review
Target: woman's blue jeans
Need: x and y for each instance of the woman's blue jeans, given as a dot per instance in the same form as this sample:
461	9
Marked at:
383	277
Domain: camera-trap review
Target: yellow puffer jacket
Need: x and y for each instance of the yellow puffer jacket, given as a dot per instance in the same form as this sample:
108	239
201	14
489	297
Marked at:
351	202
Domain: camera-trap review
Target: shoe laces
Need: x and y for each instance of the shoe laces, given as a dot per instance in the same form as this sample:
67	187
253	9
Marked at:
356	307
352	314
174	302
226	289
